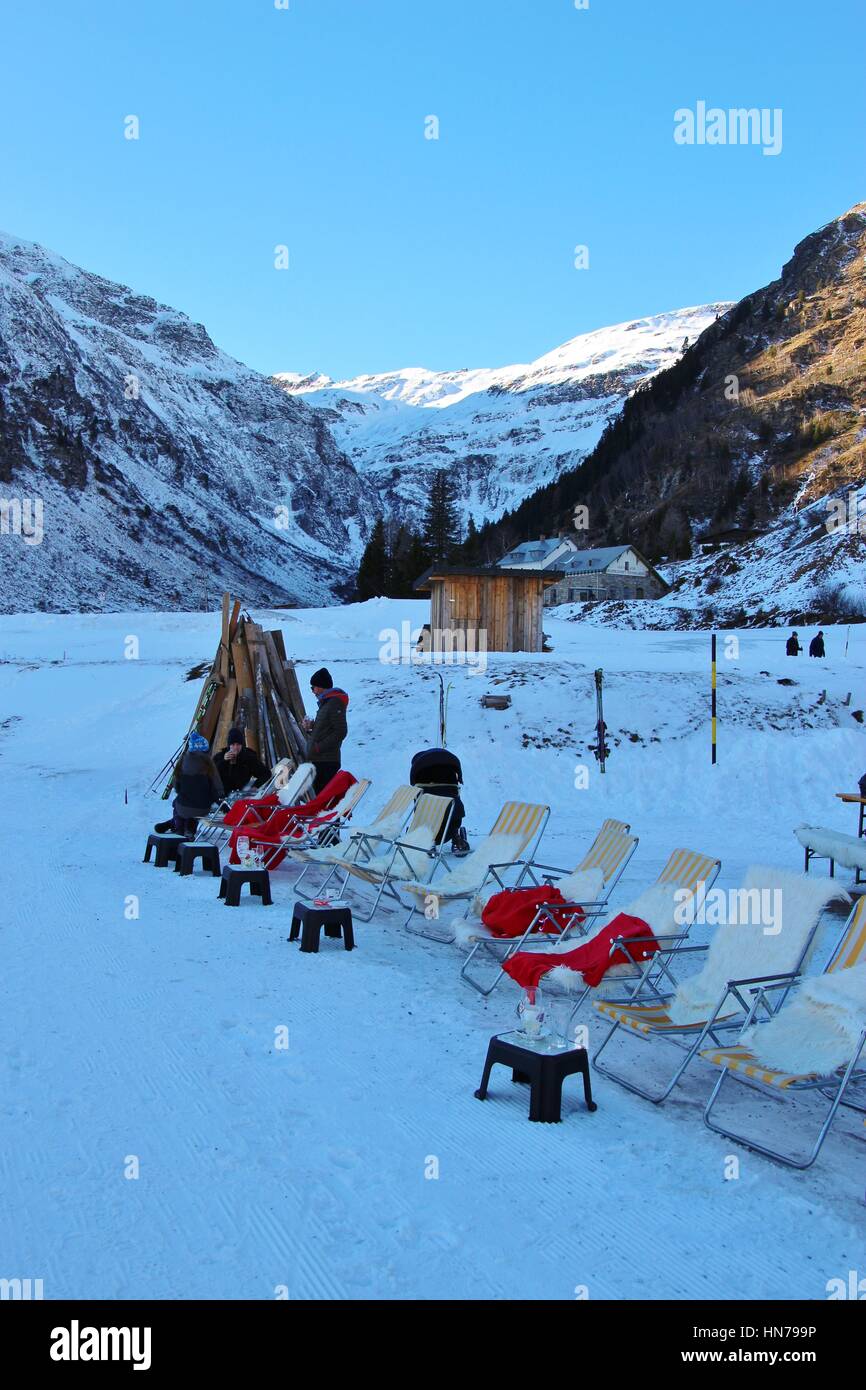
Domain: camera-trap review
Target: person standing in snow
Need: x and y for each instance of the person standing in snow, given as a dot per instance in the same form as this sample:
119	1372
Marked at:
816	646
792	646
198	786
329	728
237	765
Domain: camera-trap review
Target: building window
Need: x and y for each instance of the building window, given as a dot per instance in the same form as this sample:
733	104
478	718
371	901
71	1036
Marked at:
585	594
640	592
571	594
626	564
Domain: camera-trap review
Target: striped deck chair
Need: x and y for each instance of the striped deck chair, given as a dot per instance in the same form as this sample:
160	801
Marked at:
691	873
364	841
652	1019
306	835
610	852
414	855
742	1064
517	831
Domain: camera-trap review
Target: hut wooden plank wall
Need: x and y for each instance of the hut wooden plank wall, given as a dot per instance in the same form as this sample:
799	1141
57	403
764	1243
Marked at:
507	605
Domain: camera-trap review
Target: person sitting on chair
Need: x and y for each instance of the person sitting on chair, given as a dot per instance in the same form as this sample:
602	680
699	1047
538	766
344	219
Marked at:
238	766
198	786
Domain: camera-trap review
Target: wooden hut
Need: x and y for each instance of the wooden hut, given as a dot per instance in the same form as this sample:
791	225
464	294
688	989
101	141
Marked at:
495	610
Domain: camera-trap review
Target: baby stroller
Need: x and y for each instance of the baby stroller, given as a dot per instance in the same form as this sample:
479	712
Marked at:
437	771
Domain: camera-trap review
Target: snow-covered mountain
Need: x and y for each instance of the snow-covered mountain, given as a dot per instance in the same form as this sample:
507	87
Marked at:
504	431
162	469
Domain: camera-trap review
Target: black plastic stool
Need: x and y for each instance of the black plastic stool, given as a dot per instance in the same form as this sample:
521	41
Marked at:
190	851
233	879
308	921
543	1071
167	849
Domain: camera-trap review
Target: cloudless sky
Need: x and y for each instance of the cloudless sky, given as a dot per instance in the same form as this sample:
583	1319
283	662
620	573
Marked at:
305	127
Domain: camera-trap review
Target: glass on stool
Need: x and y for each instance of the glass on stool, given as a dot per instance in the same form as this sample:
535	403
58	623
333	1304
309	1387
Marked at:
530	1011
558	1012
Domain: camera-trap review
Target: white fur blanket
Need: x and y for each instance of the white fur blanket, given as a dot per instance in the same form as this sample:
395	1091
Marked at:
288	795
656	906
768	923
819	1030
466	877
585	886
421	840
847	850
389	829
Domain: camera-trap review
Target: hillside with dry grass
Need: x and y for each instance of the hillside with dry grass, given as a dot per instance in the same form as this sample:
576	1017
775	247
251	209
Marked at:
759	425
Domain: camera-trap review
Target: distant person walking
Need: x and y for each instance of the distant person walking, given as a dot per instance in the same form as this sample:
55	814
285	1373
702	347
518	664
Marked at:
816	646
238	765
329	728
792	646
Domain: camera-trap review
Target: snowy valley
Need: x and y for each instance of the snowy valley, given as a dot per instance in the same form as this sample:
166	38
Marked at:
502	433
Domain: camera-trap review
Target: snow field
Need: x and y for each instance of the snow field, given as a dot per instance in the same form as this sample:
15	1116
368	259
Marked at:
308	1167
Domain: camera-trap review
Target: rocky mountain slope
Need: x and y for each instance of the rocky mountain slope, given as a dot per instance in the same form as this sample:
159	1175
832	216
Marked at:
760	426
502	432
164	468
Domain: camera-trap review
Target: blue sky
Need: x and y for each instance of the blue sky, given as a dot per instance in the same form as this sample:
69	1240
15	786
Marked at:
305	127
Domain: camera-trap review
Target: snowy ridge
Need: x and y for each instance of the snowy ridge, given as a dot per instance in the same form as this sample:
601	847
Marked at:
502	431
163	465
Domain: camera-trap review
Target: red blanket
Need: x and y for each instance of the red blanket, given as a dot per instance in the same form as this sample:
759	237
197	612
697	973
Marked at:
252	810
509	914
290	820
593	958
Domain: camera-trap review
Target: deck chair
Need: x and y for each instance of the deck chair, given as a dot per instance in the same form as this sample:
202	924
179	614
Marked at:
609	852
293	787
414	855
363	842
647	979
300	835
781	958
742	1062
517	831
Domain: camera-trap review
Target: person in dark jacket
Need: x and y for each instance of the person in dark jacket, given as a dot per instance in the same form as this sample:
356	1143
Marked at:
792	646
238	766
328	729
198	786
816	646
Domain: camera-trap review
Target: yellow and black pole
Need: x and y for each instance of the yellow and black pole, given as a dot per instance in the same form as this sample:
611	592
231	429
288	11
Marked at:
713	697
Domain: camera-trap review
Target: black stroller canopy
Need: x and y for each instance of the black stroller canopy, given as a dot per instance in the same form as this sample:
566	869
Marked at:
435	766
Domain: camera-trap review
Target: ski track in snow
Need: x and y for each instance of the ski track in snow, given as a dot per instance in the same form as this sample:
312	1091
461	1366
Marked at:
304	1167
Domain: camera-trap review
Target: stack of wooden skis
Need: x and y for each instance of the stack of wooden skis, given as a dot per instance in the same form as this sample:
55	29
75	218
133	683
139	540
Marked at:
251	685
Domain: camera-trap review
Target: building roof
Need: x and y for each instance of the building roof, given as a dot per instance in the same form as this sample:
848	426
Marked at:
492	572
593	561
528	551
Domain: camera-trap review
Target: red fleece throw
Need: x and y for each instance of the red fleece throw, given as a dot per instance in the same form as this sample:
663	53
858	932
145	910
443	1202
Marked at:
509	914
290	820
251	810
593	958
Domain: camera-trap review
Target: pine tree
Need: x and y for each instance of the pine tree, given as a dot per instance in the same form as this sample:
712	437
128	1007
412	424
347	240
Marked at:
373	571
470	550
441	526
